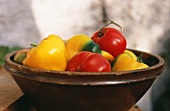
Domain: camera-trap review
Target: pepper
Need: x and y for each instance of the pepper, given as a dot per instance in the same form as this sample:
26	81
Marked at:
82	42
107	56
88	62
50	54
131	54
110	40
126	62
20	56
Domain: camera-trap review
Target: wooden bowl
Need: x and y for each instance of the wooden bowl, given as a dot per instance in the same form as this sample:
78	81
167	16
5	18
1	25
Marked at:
84	91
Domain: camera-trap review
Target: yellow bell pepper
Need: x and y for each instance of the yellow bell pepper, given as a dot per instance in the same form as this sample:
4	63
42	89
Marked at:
107	56
76	44
125	62
82	42
131	54
50	54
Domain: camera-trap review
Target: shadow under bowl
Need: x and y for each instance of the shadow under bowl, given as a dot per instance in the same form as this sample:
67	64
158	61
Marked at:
85	91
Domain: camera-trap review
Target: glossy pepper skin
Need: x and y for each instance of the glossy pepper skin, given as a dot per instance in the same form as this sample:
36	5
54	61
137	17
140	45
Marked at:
88	62
107	56
81	42
50	54
125	62
130	53
110	40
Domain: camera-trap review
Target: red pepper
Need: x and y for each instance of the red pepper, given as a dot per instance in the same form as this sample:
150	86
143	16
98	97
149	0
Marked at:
110	40
88	62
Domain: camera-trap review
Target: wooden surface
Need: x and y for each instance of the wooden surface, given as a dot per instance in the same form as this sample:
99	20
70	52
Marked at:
9	91
12	99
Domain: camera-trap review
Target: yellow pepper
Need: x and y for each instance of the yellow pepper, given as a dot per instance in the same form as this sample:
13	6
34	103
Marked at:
131	54
126	62
50	54
76	44
82	42
107	56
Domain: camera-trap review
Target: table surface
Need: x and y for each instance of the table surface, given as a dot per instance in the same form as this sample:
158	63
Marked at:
10	93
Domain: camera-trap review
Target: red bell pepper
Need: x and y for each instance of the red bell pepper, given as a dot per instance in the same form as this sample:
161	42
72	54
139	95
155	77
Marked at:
110	40
88	62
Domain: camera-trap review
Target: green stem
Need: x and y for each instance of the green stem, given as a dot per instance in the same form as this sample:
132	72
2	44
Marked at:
139	59
33	44
111	22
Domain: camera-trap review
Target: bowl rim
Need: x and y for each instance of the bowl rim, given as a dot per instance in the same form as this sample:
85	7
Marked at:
52	73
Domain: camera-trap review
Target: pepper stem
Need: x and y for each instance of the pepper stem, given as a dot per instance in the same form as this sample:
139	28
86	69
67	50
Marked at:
110	22
33	44
139	59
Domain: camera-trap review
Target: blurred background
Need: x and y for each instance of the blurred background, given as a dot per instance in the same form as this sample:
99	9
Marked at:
146	26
